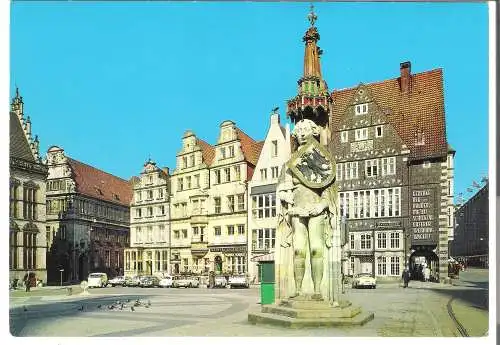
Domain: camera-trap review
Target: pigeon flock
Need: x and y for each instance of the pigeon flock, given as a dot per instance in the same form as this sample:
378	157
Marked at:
121	305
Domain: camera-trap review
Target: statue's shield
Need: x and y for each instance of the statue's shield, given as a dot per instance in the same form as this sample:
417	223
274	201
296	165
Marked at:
313	165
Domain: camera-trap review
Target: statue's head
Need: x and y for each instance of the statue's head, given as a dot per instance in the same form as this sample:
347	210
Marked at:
305	129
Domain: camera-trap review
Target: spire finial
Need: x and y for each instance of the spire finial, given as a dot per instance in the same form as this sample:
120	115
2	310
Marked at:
312	16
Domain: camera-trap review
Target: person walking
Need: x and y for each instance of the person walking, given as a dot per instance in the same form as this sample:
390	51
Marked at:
406	277
27	282
427	274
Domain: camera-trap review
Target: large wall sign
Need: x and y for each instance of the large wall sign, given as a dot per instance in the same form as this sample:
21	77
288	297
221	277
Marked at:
424	216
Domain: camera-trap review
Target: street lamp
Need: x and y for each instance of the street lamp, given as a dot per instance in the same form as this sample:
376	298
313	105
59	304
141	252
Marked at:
61	270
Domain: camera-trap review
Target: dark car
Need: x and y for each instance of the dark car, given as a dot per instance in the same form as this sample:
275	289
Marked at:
150	281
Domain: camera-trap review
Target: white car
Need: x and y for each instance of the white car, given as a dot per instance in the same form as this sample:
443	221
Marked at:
220	282
187	282
166	282
97	280
364	280
239	281
120	280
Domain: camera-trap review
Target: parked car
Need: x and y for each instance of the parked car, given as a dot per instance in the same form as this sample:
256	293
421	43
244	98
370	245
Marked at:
150	281
185	281
131	281
220	282
97	280
166	282
240	280
364	280
117	281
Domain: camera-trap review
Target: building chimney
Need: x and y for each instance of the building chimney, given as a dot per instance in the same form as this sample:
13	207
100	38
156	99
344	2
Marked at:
405	78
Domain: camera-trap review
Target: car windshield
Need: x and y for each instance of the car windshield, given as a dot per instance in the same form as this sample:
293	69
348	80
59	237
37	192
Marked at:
364	275
96	275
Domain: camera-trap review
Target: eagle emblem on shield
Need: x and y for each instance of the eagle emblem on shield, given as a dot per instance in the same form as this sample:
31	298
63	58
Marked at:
313	165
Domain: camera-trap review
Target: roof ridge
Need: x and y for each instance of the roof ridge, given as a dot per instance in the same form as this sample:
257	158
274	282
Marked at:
104	172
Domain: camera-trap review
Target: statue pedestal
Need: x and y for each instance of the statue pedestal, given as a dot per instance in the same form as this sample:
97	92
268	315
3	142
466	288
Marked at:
299	313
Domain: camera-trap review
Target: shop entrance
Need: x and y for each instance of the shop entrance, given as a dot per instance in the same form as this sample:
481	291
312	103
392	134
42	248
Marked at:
421	259
218	264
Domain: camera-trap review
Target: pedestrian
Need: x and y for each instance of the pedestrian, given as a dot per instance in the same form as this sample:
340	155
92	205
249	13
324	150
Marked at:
406	277
427	274
27	282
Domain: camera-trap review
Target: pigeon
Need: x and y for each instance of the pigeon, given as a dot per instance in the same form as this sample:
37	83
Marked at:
132	308
81	308
111	307
99	306
128	300
146	306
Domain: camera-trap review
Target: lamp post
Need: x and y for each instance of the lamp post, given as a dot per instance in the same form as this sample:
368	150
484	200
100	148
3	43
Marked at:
61	270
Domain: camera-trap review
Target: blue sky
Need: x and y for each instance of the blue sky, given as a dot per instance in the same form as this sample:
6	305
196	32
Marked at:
113	83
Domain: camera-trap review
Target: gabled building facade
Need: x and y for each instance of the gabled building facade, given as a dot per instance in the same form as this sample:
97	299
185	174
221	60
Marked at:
236	156
88	218
149	252
27	175
395	170
190	200
264	204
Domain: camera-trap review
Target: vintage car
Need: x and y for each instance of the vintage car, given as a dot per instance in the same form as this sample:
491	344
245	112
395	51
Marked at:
117	281
364	280
132	281
220	282
150	281
166	282
185	281
240	280
97	280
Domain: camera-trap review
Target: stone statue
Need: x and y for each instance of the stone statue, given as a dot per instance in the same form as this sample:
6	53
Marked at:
309	236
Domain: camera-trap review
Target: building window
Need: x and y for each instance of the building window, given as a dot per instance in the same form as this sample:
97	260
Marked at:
223	153
274	150
263	174
241	229
361	134
388	166
162	210
13	250
29	250
361	109
217	209
160	193
191	160
161	230
241	202
150	178
366	241
450	217
264	205
176	234
344	136
274	172
186	264
184	233
266	238
237	172
381	240
371	168
381	266
351	260
180	185
29	203
395	240
379	131
184	162
338	172
351	170
231	151
150	212
195	231
138	235
227	174
107	256
217	231
230	203
351	241
188	182
217	176
230	230
394	266
150	234
420	137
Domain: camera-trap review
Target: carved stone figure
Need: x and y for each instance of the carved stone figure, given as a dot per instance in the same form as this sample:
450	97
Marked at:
309	235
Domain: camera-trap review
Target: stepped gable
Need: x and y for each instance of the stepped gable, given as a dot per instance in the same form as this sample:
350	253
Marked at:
421	108
99	184
207	151
19	145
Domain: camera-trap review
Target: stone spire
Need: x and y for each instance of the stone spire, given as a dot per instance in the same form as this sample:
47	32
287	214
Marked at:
313	100
17	106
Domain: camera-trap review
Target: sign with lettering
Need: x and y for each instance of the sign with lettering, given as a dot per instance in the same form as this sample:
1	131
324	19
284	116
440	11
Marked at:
423	216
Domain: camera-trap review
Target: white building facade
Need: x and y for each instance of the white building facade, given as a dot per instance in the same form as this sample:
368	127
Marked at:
264	204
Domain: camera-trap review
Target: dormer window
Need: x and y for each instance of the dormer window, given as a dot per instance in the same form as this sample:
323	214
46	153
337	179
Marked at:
223	153
184	162
231	151
361	109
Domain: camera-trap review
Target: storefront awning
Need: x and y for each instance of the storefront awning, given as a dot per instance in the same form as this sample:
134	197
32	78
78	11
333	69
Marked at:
265	257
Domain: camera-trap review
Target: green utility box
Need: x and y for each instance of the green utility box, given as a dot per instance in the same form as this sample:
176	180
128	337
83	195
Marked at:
267	282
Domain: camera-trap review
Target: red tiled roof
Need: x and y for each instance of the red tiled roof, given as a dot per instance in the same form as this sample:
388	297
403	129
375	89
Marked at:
251	149
420	109
207	151
99	184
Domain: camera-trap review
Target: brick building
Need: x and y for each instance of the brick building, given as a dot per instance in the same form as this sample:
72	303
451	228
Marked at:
88	217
